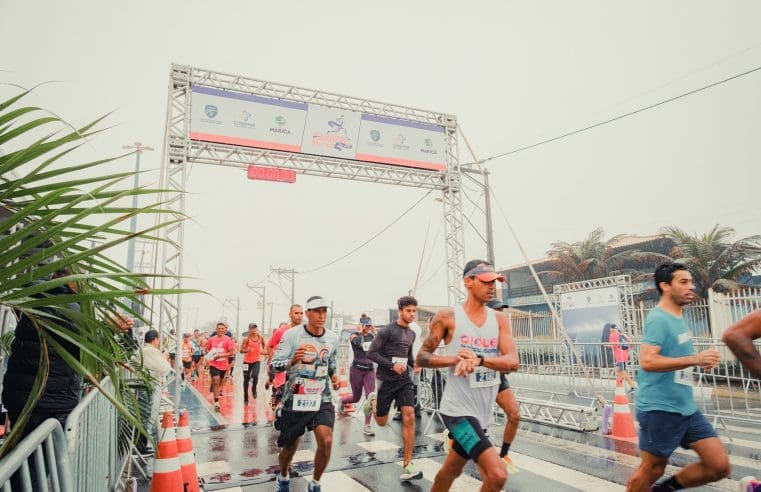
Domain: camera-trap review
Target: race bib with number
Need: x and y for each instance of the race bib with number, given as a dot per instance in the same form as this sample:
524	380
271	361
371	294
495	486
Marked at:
309	397
366	346
399	360
684	376
246	367
483	378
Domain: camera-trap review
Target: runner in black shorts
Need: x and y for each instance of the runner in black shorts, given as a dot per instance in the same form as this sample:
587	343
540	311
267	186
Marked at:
392	351
308	353
507	402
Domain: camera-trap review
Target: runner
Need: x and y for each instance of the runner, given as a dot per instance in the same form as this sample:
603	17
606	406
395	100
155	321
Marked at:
231	359
620	344
362	371
296	315
392	351
187	357
507	402
666	411
252	346
197	352
308	354
478	344
218	349
739	338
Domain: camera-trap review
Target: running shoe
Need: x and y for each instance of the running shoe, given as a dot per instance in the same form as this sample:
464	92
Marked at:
409	473
314	486
511	468
749	484
245	401
368	431
216	406
282	485
368	407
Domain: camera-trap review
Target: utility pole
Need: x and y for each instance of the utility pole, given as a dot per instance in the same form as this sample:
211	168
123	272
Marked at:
289	273
272	304
261	291
487	212
139	148
235	303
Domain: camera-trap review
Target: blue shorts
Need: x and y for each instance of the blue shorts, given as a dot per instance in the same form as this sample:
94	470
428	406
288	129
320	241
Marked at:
660	433
621	366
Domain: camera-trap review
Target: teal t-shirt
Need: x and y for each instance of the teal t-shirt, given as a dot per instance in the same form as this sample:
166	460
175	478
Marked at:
667	391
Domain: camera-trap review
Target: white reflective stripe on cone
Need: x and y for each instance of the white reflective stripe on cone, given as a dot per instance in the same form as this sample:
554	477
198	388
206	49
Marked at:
166	465
186	458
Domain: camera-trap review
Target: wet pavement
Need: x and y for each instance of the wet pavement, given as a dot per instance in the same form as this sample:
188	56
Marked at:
236	450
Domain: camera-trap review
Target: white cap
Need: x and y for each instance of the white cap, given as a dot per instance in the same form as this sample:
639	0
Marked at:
315	302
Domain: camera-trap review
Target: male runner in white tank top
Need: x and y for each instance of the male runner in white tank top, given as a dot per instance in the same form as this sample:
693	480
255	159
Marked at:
478	346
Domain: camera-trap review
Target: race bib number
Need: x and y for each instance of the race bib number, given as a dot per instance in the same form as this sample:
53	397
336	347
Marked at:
309	397
321	372
366	346
246	367
483	378
399	360
684	376
306	403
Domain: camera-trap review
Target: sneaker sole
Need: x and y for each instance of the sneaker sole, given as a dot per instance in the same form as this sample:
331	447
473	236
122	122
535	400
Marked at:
415	476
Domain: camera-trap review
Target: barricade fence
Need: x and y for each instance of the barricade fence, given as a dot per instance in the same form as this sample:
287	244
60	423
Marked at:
38	462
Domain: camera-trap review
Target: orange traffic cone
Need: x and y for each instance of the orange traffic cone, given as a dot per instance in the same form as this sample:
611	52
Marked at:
623	425
167	476
185	451
344	391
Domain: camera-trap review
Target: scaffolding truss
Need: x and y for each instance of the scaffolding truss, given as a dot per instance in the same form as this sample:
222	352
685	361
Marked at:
180	151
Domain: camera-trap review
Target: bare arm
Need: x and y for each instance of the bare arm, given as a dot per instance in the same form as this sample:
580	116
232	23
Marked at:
739	338
441	328
652	361
507	361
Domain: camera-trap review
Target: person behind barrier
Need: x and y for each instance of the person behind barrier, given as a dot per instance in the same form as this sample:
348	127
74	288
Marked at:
477	347
149	399
392	351
62	388
308	354
739	338
620	344
362	370
666	410
507	402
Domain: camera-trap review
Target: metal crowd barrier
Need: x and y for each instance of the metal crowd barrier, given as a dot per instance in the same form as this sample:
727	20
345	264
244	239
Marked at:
92	431
40	461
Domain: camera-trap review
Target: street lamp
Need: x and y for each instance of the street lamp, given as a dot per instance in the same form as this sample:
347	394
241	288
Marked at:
139	148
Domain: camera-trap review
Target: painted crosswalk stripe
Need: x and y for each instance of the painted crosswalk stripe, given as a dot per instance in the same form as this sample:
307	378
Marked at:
339	480
563	474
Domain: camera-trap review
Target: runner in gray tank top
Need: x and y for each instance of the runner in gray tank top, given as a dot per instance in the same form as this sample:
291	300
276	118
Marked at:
477	347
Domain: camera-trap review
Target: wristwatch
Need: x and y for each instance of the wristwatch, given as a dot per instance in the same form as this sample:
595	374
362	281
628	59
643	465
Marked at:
480	360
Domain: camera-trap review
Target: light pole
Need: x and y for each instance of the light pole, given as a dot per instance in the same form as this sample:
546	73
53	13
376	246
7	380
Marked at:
236	304
288	272
139	148
263	297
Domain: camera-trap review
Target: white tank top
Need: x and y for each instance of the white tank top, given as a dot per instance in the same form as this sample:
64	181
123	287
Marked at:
474	395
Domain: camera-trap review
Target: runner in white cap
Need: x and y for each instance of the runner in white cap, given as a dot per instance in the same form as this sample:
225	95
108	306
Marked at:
308	354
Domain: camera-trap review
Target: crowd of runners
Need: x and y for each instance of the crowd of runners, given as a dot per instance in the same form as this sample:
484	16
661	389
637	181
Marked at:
472	344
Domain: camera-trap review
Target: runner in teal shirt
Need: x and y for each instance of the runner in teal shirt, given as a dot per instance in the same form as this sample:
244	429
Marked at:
667	391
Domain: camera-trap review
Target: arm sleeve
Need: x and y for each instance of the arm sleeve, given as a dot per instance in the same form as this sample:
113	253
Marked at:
374	352
283	355
333	363
410	355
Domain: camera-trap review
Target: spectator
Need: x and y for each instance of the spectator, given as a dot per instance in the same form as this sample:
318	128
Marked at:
158	367
62	388
620	344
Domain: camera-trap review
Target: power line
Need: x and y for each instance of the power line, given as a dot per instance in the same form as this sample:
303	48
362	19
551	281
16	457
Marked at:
615	118
371	238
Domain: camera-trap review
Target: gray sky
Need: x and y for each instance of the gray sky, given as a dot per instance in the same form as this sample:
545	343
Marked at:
514	73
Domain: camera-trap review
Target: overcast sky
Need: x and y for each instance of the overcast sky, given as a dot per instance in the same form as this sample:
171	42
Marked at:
514	74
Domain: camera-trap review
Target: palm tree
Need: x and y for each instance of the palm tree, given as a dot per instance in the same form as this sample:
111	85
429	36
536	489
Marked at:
594	257
715	261
54	218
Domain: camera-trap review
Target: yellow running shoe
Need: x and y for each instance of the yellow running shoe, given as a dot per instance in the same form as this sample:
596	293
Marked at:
511	468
